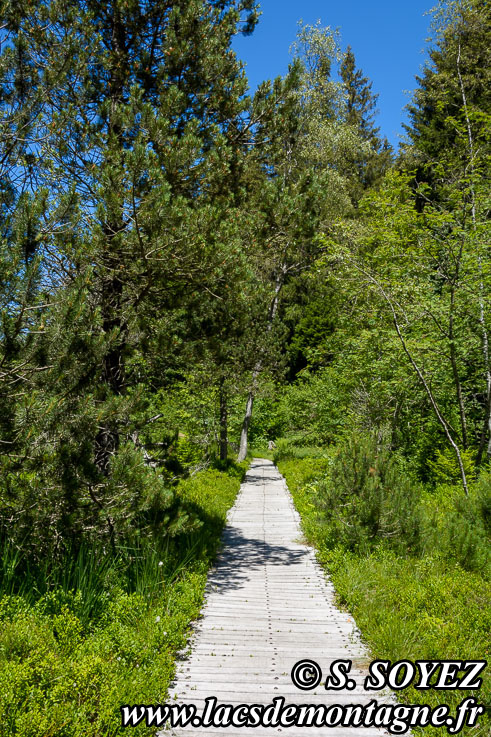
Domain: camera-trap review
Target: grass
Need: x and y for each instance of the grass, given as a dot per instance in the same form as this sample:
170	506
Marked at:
260	451
286	448
406	607
72	655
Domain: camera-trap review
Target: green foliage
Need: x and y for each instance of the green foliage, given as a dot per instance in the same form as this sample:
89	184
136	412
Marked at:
113	270
169	246
134	500
295	447
458	528
370	497
368	168
419	609
367	499
314	407
444	468
419	351
458	26
407	606
69	659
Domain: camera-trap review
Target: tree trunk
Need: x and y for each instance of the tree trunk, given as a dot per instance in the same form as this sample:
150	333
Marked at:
223	444
486	430
453	357
245	426
107	439
273	309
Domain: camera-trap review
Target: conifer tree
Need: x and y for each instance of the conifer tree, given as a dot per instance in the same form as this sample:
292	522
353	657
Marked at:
459	58
21	209
139	108
360	109
361	102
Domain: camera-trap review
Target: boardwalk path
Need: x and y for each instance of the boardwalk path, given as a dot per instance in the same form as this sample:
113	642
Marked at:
268	605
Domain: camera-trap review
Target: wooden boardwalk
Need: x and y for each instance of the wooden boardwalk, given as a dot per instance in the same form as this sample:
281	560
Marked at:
268	605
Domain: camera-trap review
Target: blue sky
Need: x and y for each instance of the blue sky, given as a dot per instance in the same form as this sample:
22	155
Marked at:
387	37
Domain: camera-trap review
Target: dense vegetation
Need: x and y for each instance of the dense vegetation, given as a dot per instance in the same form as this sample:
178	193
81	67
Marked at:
186	270
413	568
106	631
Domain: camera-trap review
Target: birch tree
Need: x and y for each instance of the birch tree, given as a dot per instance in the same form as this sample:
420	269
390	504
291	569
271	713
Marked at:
301	146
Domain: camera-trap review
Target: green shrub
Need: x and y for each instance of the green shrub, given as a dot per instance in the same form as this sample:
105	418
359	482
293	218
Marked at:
483	498
444	469
369	497
456	526
424	606
295	447
70	656
42	521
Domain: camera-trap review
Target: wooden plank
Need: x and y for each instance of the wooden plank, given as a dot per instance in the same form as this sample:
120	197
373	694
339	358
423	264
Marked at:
268	605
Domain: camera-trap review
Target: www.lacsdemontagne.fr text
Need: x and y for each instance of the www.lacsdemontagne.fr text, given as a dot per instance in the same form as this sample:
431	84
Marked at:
396	718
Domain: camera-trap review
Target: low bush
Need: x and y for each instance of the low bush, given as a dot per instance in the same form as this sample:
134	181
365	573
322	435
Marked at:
418	604
290	447
369	497
457	527
71	656
419	609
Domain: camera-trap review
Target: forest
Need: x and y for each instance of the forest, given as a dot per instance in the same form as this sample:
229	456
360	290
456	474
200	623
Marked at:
189	271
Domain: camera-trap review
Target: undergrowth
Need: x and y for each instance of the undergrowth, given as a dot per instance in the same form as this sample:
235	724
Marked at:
106	631
414	596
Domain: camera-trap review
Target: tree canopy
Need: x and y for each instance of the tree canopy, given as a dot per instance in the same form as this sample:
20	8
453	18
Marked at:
172	250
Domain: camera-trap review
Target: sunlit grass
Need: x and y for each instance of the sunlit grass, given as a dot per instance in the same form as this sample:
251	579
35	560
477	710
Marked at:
406	607
78	641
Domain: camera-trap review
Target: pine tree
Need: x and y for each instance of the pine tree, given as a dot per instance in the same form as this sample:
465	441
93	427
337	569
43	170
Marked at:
21	211
139	108
360	110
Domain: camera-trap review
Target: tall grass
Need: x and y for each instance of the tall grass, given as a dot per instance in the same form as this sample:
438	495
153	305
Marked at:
78	640
143	566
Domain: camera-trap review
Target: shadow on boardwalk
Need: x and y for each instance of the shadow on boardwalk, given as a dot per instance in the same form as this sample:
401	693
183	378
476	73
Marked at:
241	555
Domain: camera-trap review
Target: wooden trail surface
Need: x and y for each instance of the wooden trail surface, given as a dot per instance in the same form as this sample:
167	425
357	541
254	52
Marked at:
268	605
